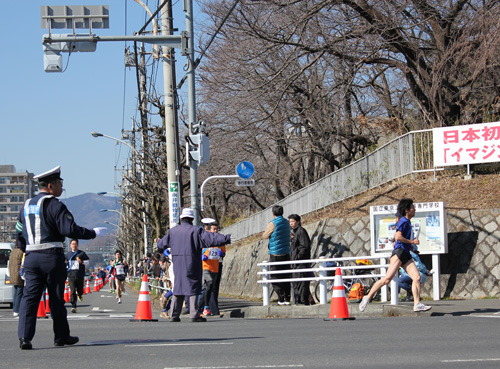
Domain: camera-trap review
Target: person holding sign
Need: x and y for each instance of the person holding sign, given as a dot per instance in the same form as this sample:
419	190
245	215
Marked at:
401	257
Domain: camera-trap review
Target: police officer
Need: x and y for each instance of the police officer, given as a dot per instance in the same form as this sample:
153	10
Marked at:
77	259
45	223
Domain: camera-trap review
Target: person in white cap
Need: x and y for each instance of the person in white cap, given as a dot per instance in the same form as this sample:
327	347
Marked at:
186	242
45	222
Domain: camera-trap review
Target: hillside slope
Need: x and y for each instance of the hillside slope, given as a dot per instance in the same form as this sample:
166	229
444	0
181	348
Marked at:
480	192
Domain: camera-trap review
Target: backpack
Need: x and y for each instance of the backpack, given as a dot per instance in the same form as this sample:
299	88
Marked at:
357	292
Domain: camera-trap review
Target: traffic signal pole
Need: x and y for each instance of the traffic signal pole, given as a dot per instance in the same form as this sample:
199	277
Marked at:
193	165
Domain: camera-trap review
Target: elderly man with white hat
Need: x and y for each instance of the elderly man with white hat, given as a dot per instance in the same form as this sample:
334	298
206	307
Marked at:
44	223
186	242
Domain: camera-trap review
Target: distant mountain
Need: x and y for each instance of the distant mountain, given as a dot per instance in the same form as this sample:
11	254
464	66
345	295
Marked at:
86	209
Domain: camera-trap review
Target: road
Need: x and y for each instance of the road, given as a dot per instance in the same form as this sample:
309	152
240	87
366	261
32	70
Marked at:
108	339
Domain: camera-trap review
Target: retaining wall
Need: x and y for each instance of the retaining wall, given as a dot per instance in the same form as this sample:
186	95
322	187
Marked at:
470	269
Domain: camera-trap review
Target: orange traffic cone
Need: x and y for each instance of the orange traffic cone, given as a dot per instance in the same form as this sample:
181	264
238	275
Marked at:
41	309
96	289
100	284
338	306
66	293
86	290
47	307
143	312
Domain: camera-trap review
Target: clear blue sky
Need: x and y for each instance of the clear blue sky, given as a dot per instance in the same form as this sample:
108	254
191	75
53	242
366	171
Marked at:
46	118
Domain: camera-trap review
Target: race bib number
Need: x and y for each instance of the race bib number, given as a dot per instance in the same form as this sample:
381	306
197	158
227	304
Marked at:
213	253
120	269
75	265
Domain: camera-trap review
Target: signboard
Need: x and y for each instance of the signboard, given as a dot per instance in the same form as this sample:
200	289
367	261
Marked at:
428	225
245	169
173	198
245	182
462	145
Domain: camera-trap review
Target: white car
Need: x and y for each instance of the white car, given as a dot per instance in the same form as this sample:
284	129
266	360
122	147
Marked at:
6	288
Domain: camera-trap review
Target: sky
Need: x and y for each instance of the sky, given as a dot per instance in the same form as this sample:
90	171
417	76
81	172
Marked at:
46	118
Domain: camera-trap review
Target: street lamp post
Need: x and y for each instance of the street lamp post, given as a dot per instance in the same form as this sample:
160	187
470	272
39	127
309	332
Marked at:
144	218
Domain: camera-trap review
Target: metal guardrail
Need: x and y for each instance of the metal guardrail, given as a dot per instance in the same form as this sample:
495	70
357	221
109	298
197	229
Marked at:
322	277
408	154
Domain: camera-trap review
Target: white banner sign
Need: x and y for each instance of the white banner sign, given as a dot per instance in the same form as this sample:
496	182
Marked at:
471	144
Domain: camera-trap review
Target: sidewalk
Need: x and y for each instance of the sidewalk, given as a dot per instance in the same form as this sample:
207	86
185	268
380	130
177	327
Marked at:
239	308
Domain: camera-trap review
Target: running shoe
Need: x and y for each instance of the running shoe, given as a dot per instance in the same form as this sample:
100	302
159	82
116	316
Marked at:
119	301
73	310
421	307
206	312
363	303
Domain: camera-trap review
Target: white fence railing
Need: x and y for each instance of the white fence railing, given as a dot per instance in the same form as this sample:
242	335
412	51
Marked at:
321	274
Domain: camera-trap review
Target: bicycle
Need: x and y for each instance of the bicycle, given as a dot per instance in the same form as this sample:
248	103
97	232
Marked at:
348	282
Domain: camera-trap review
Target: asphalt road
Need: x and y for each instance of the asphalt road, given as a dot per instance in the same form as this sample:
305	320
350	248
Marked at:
108	339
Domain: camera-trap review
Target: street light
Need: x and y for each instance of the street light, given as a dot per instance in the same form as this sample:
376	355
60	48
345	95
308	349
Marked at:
105	210
97	134
111	193
113	224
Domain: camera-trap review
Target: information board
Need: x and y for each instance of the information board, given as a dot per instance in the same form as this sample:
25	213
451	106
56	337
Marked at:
428	225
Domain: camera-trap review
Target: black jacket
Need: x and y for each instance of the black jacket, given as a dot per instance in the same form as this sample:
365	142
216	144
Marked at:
300	245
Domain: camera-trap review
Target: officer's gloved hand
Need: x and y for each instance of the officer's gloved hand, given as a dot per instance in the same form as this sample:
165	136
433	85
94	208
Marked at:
221	253
99	231
204	257
228	239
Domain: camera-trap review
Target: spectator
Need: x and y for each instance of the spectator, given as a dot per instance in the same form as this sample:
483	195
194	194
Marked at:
278	233
186	242
16	256
405	280
300	250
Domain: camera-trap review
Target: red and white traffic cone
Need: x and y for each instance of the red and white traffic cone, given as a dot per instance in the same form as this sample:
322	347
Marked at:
143	312
66	293
86	290
41	309
96	289
47	307
338	306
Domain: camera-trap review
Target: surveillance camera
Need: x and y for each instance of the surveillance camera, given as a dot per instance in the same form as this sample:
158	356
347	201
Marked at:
52	63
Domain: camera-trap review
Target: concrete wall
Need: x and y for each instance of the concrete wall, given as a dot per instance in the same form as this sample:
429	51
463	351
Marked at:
471	269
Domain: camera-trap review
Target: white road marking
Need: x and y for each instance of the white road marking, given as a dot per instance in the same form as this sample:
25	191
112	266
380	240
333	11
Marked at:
238	366
180	344
468	360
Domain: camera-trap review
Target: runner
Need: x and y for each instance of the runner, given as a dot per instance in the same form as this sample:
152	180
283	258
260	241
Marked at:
121	268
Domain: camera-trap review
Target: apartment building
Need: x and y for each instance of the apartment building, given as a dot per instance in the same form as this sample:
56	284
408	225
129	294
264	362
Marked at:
15	189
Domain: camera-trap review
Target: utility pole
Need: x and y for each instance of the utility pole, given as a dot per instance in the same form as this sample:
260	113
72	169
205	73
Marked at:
168	57
193	165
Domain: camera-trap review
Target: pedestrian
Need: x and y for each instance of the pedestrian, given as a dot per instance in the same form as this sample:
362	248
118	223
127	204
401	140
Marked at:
214	300
110	270
15	259
300	248
278	233
121	270
186	241
401	257
45	223
76	261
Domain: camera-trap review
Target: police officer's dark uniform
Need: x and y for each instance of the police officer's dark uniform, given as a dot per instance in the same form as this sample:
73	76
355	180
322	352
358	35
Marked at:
45	223
76	274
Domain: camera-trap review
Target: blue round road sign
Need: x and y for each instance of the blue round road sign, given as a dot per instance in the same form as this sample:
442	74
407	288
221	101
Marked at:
245	169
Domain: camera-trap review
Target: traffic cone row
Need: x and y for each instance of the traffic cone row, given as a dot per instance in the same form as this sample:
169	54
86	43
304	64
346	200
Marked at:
143	312
338	306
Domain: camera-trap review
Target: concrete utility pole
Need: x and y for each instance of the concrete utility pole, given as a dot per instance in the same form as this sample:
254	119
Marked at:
193	165
170	126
